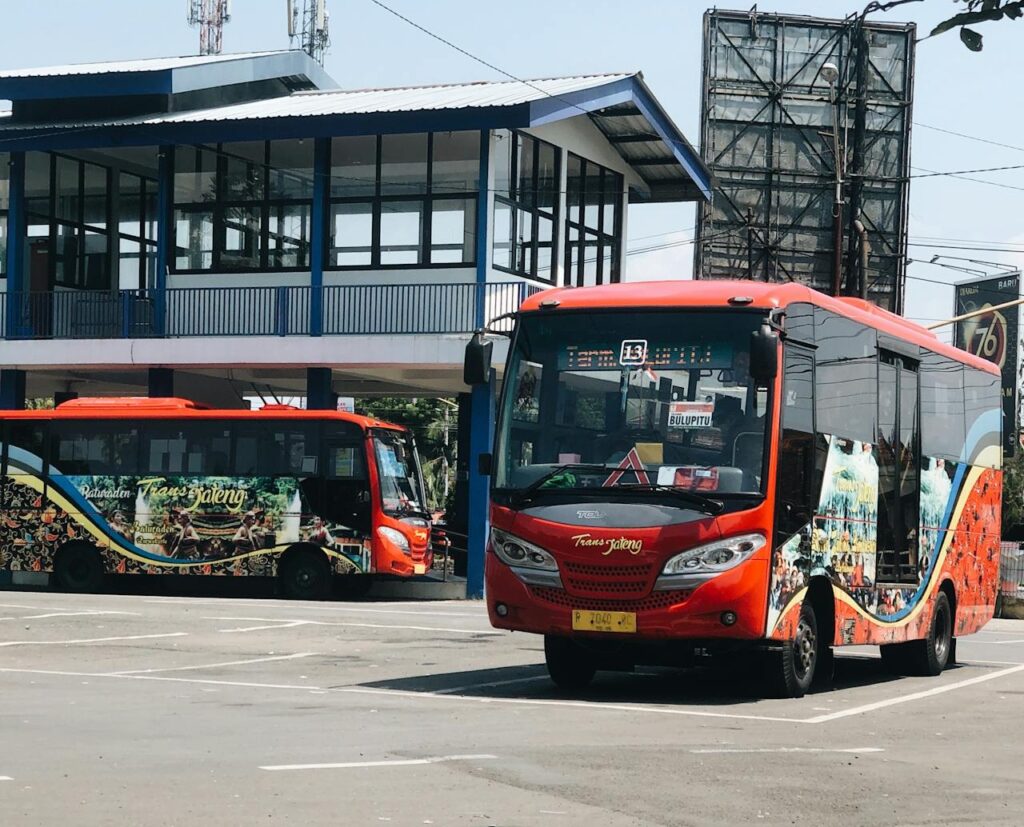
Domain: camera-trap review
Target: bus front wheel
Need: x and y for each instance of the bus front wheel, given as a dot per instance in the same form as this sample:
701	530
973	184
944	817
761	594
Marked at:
78	568
305	574
790	670
570	666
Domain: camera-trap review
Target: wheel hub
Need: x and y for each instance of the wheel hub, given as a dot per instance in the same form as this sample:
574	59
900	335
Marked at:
805	647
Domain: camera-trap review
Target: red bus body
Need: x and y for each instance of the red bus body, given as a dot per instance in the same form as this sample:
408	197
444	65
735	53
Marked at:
235	520
609	561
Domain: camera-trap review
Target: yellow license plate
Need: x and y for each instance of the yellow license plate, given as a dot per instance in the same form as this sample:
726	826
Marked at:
584	621
419	568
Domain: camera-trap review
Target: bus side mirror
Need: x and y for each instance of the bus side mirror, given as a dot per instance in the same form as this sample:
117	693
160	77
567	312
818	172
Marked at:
764	355
476	369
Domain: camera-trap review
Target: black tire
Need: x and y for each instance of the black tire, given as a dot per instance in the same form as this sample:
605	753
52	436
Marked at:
305	574
570	667
79	568
930	655
790	670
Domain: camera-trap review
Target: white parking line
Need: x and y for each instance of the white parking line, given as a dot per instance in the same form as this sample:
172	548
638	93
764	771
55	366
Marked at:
455	690
70	614
727	751
88	640
401	762
915	696
1004	642
210	665
283	623
5	778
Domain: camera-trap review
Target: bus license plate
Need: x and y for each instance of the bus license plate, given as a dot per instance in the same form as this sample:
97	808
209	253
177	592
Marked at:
419	568
584	621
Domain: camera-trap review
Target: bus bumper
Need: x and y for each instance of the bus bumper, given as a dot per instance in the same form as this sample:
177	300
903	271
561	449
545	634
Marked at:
700	614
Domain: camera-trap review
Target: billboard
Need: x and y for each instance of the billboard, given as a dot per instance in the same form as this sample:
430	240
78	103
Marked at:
767	136
994	336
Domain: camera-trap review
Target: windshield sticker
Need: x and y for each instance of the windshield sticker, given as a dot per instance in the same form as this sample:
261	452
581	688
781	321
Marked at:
690	415
689	477
633	353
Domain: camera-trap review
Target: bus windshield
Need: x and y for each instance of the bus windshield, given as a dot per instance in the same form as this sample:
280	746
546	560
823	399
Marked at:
658	401
398	470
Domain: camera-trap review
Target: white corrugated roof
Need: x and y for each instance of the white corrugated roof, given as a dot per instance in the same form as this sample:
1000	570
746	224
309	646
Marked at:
153	64
406	99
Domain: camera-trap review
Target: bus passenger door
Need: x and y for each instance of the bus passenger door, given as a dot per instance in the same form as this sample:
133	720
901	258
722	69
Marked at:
899	473
346	485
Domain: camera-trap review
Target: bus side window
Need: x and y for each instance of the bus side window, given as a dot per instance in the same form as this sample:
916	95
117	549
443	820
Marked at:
90	448
26	446
794	491
346	483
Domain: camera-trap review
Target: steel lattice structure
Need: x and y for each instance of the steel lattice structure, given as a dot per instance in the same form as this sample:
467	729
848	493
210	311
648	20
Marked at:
766	134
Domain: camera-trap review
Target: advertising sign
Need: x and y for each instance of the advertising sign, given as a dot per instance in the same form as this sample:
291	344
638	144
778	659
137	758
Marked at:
994	336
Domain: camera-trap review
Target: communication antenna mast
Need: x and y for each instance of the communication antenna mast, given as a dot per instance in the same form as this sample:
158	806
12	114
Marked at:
210	16
309	23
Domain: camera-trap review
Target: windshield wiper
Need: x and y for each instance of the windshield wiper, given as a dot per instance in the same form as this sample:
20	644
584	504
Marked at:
708	505
538	484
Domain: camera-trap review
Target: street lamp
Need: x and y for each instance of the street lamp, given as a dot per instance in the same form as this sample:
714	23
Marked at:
830	74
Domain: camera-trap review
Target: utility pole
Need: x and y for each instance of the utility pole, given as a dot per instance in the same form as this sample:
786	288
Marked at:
858	236
210	16
309	25
830	74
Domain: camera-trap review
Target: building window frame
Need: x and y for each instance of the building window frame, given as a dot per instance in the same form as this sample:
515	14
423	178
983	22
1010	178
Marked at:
377	202
526	246
610	190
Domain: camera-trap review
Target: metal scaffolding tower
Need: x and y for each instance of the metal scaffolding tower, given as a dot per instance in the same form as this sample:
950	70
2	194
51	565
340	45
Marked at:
210	16
308	24
805	125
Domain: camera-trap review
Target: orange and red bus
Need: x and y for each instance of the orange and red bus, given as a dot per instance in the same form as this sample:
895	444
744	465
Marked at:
165	486
713	467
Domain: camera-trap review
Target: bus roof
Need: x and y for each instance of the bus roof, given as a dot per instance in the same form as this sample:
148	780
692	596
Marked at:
741	295
144	407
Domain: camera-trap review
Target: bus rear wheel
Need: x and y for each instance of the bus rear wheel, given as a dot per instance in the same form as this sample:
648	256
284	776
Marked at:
305	574
930	655
790	670
78	568
570	666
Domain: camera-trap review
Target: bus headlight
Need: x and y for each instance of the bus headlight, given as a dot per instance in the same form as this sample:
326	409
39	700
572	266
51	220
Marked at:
697	565
395	537
518	553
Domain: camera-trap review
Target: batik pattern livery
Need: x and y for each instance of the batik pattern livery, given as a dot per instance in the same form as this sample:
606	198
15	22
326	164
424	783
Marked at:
149	525
958	505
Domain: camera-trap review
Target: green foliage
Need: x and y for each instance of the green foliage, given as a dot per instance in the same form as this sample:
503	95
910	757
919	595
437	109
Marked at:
1013	495
429	420
979	11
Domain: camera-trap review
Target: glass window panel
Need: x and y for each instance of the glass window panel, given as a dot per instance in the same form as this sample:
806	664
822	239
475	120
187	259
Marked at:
547	176
503	142
95	275
244	170
403	164
524	185
5	174
193	231
288	229
545	247
523	253
241	237
352	234
95	199
291	169
66	256
150	215
502	235
128	264
846	377
66	189
590	255
37	182
195	175
456	162
401	232
354	166
592	191
611	200
129	205
453	231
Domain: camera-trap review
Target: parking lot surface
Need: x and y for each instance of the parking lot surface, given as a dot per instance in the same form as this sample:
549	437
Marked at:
136	709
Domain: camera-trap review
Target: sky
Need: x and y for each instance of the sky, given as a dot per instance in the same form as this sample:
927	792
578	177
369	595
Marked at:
957	90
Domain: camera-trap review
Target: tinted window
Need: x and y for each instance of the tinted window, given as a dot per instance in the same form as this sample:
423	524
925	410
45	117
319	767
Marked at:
942	407
982	395
344	451
800	322
289	450
94	448
186	448
796	453
25	437
846	376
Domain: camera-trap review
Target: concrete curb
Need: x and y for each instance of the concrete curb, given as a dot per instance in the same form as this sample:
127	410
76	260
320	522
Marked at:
420	589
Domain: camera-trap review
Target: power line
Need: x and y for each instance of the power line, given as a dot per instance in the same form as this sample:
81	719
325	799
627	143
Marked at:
952	172
1000	184
969	137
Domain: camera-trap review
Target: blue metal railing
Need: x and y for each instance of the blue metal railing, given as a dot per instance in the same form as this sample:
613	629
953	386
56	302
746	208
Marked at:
256	311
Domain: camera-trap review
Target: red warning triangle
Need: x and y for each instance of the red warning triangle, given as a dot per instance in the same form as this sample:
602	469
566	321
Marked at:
630	462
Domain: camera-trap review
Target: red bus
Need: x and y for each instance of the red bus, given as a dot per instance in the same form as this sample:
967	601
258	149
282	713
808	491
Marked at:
704	467
165	486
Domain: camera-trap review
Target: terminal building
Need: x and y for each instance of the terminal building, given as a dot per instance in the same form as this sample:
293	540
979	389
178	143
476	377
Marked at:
222	226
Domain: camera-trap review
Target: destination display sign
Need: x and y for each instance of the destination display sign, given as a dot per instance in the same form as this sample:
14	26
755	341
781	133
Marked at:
633	354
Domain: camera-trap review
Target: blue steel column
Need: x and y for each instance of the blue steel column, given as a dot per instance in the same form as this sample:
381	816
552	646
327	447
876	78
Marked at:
164	217
481	406
318	234
12	390
15	244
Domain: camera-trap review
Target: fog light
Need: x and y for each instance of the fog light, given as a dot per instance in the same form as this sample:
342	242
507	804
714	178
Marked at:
729	618
501	610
